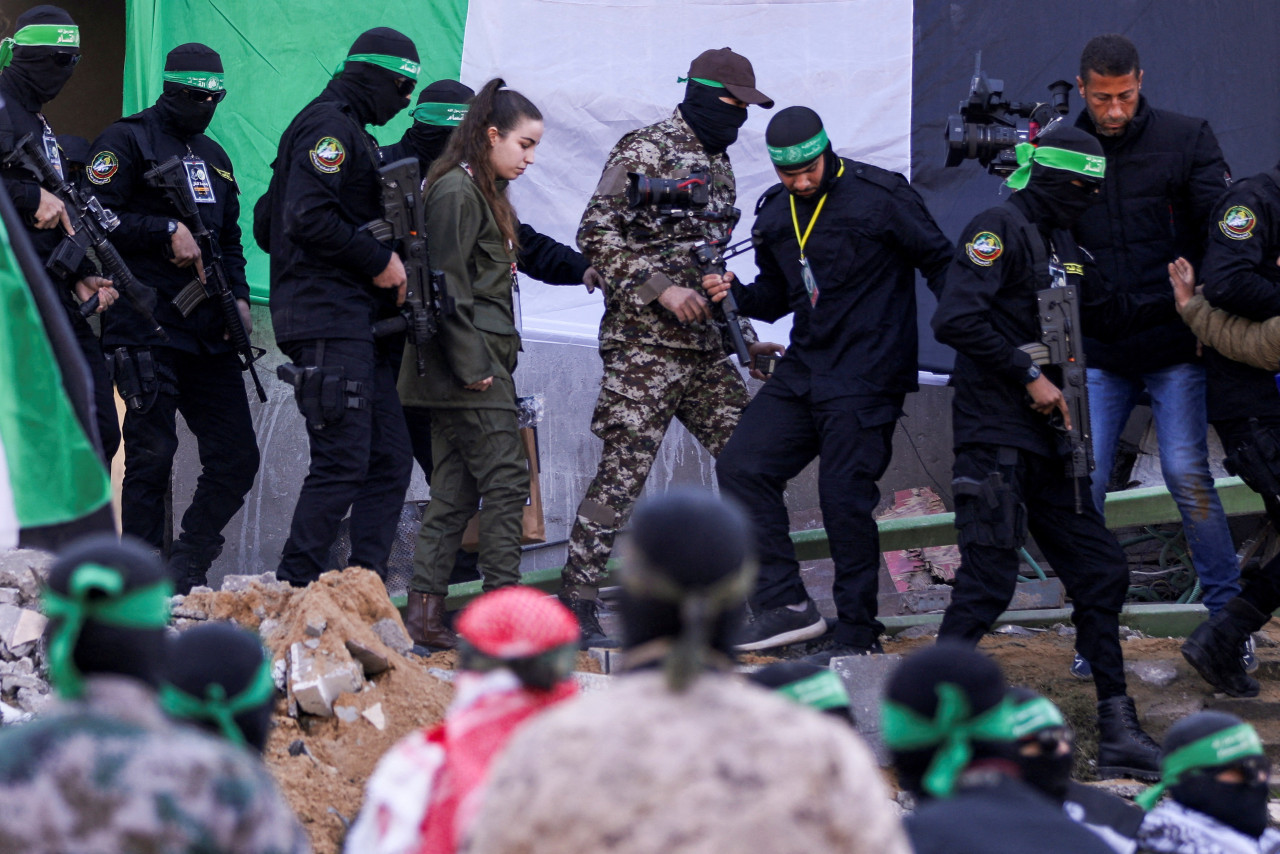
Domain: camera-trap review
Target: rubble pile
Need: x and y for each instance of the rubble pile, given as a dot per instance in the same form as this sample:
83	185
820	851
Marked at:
24	681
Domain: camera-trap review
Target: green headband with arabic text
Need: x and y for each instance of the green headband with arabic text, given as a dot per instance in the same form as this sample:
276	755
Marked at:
398	64
820	691
209	81
216	706
40	35
438	114
801	152
1087	165
1220	748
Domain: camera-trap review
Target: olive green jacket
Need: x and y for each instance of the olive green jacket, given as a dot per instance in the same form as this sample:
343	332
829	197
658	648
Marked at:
480	338
1255	343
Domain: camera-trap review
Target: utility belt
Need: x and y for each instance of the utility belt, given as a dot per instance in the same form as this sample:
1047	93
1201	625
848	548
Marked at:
1257	461
140	377
992	513
324	394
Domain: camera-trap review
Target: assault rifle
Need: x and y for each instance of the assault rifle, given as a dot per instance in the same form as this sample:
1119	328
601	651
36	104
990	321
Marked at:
710	258
170	177
91	223
404	225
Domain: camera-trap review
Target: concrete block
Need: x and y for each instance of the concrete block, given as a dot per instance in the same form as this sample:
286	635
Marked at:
390	633
315	682
315	627
372	661
1158	673
590	682
864	677
10	596
239	583
375	716
11	715
346	714
20	627
23	569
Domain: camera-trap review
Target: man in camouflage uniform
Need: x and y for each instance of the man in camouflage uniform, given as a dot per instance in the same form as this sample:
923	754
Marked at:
105	771
663	355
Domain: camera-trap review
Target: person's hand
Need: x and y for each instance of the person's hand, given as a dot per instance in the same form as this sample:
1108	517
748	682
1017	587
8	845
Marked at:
246	319
685	303
1046	397
90	285
592	279
1182	276
716	285
761	348
481	385
52	211
185	249
393	276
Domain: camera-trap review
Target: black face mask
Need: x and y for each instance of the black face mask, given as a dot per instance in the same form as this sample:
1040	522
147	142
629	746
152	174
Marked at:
1050	773
38	73
1059	203
372	93
183	116
1242	806
713	121
427	141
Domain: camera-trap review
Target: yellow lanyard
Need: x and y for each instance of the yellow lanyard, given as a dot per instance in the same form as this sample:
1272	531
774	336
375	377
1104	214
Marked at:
795	221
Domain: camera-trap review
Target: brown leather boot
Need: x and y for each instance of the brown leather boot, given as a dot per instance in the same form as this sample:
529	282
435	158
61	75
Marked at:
424	619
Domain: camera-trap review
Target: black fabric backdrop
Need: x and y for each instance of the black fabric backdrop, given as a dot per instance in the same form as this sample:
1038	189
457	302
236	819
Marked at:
1217	60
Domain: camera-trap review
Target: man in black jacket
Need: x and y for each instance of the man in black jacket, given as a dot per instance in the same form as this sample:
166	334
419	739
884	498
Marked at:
1009	466
330	281
839	249
1165	171
36	62
195	371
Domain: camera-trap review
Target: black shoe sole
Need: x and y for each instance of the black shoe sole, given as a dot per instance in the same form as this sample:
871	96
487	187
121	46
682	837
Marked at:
1199	660
810	632
1110	772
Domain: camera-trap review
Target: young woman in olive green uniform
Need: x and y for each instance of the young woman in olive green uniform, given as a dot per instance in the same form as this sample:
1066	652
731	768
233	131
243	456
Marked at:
475	443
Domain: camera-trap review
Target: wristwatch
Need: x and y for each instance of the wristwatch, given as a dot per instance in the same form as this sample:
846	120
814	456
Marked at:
1032	374
173	227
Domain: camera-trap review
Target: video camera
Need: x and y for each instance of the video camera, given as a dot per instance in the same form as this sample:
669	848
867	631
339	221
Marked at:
989	126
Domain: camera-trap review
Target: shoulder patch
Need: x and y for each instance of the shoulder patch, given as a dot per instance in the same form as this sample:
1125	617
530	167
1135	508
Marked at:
103	167
984	249
766	196
1238	222
328	154
226	176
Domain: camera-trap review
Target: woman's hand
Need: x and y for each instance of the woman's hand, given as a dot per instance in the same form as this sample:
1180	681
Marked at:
1182	276
481	385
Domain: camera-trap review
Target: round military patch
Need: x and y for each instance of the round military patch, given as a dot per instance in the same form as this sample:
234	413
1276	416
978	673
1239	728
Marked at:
1238	222
103	166
984	249
328	155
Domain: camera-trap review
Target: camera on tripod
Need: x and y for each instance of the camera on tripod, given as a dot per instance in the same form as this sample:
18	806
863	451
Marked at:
989	125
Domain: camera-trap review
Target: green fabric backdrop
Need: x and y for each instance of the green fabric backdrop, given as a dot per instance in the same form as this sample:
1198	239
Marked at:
278	55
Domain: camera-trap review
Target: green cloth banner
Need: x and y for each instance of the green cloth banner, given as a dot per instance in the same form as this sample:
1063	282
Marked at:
277	56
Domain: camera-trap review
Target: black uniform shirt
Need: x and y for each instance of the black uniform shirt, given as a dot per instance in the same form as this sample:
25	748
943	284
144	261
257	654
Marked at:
1240	275
872	233
324	189
116	169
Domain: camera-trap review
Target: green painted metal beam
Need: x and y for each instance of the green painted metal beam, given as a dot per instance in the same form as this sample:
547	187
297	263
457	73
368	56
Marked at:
1155	620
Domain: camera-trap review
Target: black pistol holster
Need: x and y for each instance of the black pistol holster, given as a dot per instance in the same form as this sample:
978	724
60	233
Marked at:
1257	462
139	378
989	512
323	394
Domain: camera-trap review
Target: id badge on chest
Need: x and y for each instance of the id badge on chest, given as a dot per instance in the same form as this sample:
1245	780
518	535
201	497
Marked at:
51	152
198	178
810	283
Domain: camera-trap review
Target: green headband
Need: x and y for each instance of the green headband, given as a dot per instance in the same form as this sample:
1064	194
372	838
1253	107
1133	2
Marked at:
398	64
704	81
801	152
39	35
216	707
441	115
1220	748
210	81
820	691
1088	165
1035	715
143	608
951	729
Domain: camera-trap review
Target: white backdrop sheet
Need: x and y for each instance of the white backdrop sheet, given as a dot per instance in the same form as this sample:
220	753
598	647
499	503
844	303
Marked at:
599	68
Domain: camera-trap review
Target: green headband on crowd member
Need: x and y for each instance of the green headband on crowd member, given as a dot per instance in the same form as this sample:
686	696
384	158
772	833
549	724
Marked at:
215	706
210	81
1086	165
801	152
704	81
951	729
141	608
398	64
440	115
39	35
1035	715
1216	749
820	691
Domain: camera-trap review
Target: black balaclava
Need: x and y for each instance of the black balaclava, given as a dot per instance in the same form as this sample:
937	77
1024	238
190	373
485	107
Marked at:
1242	806
179	114
915	685
1054	198
787	136
713	121
370	89
33	73
101	648
224	655
1050	774
428	140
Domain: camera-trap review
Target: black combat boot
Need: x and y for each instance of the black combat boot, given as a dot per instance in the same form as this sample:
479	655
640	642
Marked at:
584	608
1213	649
188	566
1124	749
